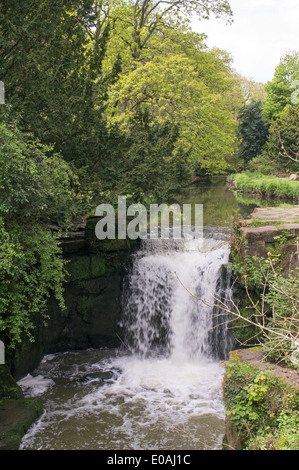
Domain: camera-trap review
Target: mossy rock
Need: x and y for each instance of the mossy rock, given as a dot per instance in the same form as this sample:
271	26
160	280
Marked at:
8	386
97	266
78	267
235	356
16	417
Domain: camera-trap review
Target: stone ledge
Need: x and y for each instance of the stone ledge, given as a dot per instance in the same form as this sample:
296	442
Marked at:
256	358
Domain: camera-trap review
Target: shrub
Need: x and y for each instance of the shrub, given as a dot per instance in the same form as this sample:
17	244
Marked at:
263	408
37	189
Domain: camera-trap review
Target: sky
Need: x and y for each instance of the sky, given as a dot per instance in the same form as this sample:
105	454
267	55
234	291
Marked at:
262	32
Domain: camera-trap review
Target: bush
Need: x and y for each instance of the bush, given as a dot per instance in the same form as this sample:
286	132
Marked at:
37	189
265	165
263	408
269	303
286	130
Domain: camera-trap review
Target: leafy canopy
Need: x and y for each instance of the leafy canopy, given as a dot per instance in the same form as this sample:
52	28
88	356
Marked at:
168	73
280	89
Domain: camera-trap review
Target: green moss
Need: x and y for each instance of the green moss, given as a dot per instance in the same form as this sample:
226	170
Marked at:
8	386
78	267
16	416
97	266
16	412
85	303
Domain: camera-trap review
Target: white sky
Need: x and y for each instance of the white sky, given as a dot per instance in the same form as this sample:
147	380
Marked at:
262	32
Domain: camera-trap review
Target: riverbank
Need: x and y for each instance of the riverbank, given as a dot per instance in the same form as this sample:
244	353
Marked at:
261	386
17	413
267	186
261	403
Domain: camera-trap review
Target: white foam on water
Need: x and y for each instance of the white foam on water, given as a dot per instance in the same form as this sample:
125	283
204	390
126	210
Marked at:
35	386
148	397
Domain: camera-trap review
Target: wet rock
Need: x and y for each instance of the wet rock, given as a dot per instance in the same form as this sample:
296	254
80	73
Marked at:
16	412
16	417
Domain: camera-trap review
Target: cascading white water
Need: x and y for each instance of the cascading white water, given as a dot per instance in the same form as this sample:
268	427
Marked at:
163	391
168	296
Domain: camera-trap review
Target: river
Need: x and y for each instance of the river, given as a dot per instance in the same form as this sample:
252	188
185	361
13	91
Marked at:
162	388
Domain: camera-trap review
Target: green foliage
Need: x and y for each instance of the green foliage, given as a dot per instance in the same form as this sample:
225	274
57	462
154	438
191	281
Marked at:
263	408
35	184
271	299
283	300
170	90
167	73
252	131
50	58
264	164
146	155
36	189
283	140
67	70
31	267
280	90
45	69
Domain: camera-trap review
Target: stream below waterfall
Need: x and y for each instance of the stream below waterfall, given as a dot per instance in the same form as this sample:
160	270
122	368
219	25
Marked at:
162	389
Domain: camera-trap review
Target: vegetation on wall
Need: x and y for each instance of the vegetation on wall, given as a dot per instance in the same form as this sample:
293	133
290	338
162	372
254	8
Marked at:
267	305
262	407
37	189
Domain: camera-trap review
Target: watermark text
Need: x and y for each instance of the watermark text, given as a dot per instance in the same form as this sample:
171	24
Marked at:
160	221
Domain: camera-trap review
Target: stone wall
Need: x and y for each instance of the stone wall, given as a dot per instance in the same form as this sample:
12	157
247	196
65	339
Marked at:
272	229
92	296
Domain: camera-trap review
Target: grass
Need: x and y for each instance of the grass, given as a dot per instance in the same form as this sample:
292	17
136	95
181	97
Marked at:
266	185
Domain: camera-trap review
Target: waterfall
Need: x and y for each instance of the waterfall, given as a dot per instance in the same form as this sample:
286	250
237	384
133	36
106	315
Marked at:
168	296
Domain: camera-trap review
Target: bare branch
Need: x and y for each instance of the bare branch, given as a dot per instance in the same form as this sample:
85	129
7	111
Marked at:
285	153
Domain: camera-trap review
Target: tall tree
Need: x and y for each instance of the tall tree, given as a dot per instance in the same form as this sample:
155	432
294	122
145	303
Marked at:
190	90
283	139
252	131
280	89
48	68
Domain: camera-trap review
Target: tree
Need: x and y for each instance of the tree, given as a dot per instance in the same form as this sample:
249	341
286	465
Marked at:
142	165
61	83
280	89
37	189
179	81
252	131
168	72
283	140
252	91
139	21
49	66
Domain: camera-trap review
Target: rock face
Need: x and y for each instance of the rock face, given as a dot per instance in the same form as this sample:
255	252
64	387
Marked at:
16	412
263	231
92	297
